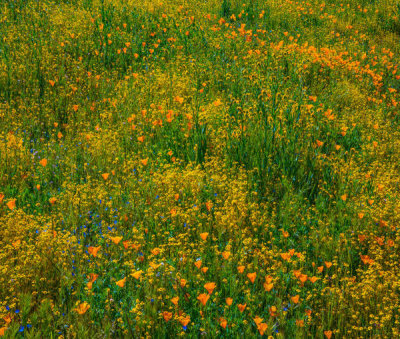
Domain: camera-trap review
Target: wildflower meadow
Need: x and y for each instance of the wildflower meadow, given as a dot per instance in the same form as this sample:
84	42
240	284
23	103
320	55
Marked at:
199	168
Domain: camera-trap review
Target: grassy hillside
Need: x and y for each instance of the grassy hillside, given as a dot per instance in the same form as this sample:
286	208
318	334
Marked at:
214	168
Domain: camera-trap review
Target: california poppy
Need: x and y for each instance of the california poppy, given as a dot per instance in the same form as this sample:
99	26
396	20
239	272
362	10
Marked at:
262	328
241	269
11	204
116	240
258	320
223	322
295	299
137	274
252	276
268	287
204	236
167	316
210	287
203	298
242	307
121	283
185	320
303	278
155	251
93	250
272	311
226	255
43	162
82	308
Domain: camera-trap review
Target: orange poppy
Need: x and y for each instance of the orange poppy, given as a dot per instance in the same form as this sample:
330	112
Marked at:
242	307
137	274
272	311
3	331
223	322
167	316
229	301
252	276
303	278
268	287
204	236
203	298
155	251
226	255
116	240
185	320
210	287
11	204
43	162
82	308
93	250
121	283
295	299
262	328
